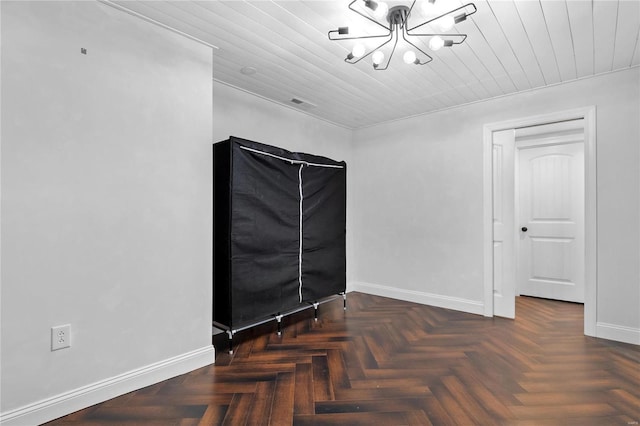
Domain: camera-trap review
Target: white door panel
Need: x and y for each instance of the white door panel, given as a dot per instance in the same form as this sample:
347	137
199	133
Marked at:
503	225
550	208
552	259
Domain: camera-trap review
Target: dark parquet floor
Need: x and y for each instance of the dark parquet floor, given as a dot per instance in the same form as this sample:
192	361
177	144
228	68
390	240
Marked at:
389	362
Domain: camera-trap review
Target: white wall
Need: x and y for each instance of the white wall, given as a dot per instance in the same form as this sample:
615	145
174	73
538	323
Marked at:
106	205
241	114
417	210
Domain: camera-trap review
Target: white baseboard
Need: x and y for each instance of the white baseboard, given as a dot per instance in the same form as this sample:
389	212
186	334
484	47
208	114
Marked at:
86	396
618	333
447	302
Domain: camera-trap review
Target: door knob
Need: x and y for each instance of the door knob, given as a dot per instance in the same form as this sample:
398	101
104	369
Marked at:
524	229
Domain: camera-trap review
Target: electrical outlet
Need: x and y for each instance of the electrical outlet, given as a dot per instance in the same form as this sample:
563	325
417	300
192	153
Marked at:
60	337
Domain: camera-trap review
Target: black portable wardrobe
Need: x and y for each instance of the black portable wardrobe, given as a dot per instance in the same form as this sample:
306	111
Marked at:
279	232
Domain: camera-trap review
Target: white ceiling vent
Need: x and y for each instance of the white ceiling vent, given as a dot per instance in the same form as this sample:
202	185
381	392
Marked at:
302	104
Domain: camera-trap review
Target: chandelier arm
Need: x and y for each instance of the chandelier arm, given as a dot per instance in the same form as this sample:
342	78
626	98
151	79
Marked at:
475	9
356	37
365	16
421	51
390	54
405	21
370	52
464	37
448	36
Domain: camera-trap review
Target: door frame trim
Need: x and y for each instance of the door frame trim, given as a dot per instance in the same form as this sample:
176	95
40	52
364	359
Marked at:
590	213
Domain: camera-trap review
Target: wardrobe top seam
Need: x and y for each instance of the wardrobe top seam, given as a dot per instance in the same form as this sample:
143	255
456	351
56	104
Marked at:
306	163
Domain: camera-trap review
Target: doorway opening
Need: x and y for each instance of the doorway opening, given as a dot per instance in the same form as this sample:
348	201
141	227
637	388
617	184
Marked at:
549	211
548	246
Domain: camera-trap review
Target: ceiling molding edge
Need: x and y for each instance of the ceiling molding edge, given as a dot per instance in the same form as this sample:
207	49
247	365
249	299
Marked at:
153	21
533	89
284	105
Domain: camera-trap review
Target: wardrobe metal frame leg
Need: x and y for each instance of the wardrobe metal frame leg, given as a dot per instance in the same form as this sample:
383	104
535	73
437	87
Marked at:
279	320
230	334
315	311
344	301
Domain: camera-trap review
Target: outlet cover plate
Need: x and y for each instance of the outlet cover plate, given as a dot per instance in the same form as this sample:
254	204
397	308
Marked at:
60	337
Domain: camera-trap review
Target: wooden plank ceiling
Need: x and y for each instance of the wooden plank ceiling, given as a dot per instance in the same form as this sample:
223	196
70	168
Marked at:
512	46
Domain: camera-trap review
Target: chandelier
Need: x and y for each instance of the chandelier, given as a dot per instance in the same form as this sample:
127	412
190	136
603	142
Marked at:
397	26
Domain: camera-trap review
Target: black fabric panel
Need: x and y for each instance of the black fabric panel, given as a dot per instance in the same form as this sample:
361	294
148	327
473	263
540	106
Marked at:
324	232
221	198
264	235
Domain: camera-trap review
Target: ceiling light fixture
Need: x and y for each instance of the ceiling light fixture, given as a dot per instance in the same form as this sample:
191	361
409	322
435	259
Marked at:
397	27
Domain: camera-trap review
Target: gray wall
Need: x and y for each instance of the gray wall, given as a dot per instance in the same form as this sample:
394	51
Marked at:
106	196
241	114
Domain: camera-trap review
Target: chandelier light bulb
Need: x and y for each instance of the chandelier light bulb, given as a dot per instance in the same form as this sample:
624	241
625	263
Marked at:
358	50
446	23
436	43
382	10
377	57
409	57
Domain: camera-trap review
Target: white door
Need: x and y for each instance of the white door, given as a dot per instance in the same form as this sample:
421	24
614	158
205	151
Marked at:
550	211
504	271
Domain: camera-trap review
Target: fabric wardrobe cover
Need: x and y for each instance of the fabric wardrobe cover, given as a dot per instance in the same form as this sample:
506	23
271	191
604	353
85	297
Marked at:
279	230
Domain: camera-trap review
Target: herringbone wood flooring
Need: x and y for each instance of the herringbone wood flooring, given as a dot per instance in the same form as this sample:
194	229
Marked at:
389	362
